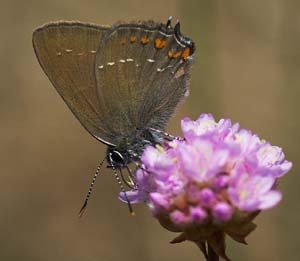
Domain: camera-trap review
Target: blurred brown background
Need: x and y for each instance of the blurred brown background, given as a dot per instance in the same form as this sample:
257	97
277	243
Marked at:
247	68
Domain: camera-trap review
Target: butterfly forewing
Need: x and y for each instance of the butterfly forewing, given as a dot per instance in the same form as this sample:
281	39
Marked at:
141	75
66	52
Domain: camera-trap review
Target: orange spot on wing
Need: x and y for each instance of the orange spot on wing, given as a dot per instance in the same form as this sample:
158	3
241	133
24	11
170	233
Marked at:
132	39
186	53
171	54
145	40
160	43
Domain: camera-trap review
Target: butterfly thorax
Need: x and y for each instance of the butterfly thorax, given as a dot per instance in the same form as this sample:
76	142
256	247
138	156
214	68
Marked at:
131	148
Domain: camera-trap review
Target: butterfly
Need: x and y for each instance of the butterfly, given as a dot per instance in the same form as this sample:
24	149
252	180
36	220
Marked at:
122	82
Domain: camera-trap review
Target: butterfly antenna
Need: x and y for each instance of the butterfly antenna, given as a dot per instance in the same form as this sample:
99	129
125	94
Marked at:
81	212
123	190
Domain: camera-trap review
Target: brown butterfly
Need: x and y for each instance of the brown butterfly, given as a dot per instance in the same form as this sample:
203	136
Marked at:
122	82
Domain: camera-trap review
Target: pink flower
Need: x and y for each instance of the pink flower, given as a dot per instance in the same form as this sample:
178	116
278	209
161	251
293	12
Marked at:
211	183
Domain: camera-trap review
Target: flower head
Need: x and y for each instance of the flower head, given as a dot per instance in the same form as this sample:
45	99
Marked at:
211	183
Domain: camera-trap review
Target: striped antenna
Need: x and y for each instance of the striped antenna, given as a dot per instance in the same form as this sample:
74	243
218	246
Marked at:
80	214
123	190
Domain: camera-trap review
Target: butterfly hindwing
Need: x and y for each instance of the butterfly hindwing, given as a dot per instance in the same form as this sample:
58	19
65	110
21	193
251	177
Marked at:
142	74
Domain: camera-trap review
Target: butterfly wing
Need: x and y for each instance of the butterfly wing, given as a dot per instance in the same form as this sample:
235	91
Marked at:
142	73
66	52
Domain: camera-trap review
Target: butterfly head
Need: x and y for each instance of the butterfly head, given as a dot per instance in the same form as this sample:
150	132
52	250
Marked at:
117	158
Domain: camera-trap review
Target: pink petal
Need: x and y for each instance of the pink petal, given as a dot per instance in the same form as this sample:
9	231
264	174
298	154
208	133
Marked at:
270	199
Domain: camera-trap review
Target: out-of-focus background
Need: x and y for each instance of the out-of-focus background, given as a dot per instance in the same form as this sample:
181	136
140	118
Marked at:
247	68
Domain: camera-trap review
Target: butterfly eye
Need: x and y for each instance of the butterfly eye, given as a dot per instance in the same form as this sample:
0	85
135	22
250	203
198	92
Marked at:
116	158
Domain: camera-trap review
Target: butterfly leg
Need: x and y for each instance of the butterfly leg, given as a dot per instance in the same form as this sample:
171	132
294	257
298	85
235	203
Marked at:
166	135
129	183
